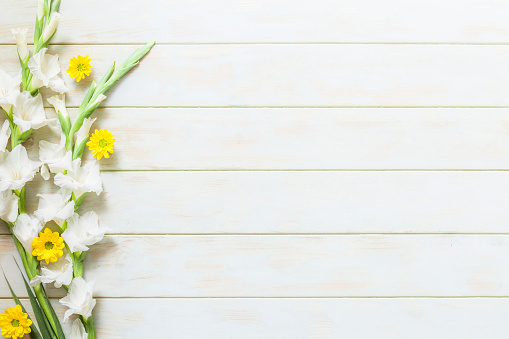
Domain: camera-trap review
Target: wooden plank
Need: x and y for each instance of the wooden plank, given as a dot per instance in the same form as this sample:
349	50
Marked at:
203	21
299	75
212	139
300	318
299	202
294	266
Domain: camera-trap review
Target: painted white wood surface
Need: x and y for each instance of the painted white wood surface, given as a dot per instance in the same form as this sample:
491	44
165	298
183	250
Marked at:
267	202
295	266
380	318
299	75
302	138
205	21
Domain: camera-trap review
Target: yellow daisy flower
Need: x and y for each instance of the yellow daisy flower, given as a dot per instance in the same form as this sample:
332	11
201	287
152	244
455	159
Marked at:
15	323
48	246
79	67
101	144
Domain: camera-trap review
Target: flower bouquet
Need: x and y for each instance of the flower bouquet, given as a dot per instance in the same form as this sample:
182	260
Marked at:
53	240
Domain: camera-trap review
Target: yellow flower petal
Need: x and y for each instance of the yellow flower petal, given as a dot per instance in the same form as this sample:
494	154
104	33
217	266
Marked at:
15	323
101	143
79	67
48	246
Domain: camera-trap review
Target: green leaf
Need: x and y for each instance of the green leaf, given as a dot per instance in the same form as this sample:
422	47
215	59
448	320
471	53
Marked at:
79	149
25	135
65	122
78	201
60	332
87	97
55	6
35	333
43	323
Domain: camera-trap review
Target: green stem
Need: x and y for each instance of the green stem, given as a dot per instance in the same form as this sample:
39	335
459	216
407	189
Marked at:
89	326
45	307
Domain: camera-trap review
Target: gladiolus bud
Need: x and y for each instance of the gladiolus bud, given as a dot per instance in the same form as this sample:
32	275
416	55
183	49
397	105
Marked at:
40	9
21	41
50	29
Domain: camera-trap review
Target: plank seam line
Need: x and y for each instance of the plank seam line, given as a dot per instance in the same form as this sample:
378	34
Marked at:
459	234
290	107
258	43
293	297
309	170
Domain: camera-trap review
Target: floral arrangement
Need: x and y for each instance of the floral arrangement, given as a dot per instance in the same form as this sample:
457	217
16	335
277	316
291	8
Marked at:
53	240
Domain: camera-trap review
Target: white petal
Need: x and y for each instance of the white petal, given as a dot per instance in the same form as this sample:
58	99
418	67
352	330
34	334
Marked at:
58	102
26	228
84	131
9	89
57	84
78	330
5	133
79	298
8	206
45	172
17	169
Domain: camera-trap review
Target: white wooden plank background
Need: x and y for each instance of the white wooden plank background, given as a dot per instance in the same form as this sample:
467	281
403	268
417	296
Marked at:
303	169
300	75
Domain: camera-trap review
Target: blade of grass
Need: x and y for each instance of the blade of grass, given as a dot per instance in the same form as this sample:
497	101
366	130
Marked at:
34	332
43	323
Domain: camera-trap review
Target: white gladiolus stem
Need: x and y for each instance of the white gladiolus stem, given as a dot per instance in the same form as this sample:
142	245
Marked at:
51	27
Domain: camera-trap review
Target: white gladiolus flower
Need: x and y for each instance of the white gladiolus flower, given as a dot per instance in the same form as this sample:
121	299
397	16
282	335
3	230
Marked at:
59	272
84	131
79	298
45	69
81	179
5	133
55	206
58	102
26	229
20	35
9	89
17	169
56	156
28	112
8	206
83	231
51	27
78	330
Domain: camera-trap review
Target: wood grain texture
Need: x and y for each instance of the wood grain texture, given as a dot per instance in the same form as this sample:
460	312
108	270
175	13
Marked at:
294	266
191	202
421	318
298	138
203	21
298	75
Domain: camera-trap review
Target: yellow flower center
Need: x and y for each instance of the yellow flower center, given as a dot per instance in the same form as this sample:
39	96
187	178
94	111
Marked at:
48	245
103	143
81	67
15	323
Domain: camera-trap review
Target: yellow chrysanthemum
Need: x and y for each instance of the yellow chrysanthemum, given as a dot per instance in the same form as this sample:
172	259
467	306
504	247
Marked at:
48	246
15	323
79	67
101	144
